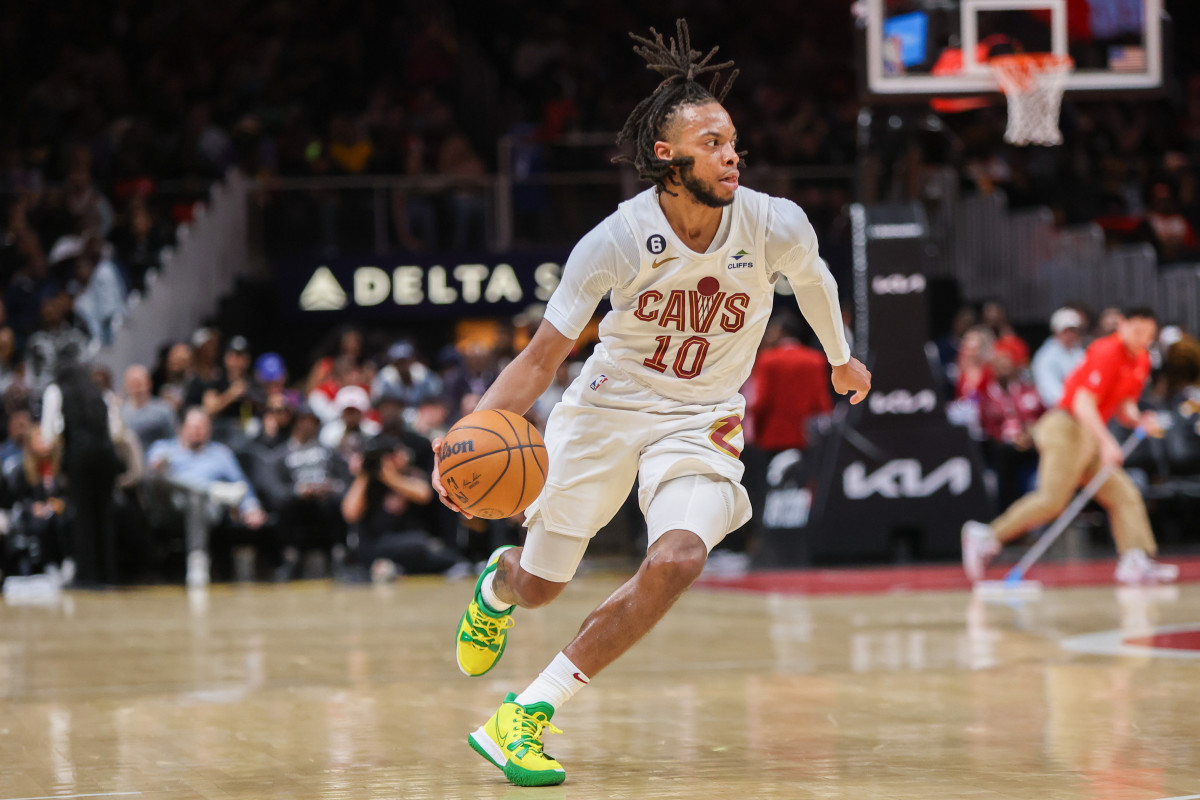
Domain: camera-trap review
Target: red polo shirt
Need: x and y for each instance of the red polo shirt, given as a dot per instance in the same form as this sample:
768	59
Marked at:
790	384
1111	372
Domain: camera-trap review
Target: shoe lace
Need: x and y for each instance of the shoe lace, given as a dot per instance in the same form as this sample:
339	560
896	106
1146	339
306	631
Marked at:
527	733
486	630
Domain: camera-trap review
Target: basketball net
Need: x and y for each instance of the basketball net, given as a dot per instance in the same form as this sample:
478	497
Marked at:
1033	84
704	303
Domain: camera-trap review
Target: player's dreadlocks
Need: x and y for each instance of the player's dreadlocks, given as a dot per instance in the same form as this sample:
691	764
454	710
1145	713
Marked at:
679	65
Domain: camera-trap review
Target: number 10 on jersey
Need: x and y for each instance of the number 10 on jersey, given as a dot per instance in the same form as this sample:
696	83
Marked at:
689	358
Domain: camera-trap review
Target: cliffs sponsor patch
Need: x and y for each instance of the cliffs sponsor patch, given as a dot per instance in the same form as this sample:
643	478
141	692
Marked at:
739	261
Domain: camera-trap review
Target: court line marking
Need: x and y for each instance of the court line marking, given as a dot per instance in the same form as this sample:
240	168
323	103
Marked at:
69	796
1112	643
1184	797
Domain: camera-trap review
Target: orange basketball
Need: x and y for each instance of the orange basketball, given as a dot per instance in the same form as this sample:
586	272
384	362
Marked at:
493	463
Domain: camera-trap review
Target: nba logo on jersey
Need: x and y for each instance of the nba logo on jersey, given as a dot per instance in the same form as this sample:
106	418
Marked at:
596	383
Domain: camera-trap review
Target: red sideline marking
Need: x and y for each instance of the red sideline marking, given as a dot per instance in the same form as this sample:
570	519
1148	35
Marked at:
940	578
1179	640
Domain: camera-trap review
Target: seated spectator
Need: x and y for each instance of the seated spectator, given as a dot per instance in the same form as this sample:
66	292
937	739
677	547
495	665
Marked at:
947	346
1008	408
383	504
147	416
323	399
230	399
305	484
38	536
271	375
1059	355
348	434
278	418
405	377
974	368
211	482
174	375
20	422
996	318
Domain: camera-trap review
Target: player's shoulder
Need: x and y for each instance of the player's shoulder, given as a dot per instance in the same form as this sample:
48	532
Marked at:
784	212
787	226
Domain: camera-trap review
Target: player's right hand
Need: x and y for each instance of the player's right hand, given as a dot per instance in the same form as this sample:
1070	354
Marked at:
437	481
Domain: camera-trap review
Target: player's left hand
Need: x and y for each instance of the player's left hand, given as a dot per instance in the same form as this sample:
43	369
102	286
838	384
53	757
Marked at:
852	377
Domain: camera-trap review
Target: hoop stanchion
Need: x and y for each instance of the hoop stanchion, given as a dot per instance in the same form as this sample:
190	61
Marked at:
1034	85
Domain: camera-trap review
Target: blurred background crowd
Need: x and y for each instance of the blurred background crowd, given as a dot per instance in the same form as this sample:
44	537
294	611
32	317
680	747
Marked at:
237	456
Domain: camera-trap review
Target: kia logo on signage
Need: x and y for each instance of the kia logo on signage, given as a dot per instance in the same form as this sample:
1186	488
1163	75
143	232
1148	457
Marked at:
904	478
901	401
898	284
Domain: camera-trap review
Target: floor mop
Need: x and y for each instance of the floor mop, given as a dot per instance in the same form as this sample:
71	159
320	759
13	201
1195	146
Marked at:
1014	586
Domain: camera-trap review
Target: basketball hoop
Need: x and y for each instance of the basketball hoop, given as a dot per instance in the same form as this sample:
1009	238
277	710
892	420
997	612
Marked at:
1033	84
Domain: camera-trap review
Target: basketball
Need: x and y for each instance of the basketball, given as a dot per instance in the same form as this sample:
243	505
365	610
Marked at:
493	463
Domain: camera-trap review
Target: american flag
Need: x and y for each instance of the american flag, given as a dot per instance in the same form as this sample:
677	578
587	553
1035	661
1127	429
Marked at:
1127	59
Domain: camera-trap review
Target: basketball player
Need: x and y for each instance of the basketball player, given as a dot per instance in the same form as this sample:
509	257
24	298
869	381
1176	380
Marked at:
691	265
1074	443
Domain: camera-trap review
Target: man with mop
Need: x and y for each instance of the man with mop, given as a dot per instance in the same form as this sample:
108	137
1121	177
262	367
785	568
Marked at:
1074	445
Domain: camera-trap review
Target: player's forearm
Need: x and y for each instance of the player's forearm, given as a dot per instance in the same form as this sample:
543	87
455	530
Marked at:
818	303
521	383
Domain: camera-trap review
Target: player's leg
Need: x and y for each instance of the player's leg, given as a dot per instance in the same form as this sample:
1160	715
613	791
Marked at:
1120	498
1064	452
593	461
685	519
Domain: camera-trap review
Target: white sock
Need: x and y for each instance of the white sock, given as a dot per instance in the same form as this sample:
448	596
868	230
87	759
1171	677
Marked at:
557	684
488	593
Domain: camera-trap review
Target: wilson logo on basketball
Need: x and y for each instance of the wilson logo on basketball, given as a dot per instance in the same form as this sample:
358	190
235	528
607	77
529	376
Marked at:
457	448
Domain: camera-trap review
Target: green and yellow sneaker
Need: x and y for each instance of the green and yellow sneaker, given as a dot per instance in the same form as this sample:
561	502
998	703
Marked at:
512	740
482	633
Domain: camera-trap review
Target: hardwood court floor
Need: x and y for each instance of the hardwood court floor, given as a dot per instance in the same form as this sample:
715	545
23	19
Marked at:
322	691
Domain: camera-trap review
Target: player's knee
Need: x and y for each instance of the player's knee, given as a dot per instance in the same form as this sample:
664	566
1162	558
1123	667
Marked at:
677	558
536	592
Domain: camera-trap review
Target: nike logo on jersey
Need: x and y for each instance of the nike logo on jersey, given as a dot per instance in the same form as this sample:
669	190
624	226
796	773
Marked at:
659	262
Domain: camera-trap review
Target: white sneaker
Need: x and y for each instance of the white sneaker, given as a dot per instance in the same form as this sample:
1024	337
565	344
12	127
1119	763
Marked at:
979	546
383	570
197	569
1138	569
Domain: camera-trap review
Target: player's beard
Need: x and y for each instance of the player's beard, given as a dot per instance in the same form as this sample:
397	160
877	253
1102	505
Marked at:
702	194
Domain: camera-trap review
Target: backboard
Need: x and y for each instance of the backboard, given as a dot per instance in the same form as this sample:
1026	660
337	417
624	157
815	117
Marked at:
935	48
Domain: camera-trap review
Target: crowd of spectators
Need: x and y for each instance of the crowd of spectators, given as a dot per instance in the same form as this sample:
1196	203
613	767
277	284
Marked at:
120	104
224	464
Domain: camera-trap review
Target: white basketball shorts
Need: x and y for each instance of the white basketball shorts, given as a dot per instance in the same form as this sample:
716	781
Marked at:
606	432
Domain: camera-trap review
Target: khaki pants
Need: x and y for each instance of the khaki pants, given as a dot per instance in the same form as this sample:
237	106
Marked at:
1068	457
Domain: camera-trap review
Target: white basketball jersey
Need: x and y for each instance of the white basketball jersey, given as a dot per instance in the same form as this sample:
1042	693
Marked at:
689	325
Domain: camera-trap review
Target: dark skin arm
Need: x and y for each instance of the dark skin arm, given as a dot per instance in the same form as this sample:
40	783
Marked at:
518	386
